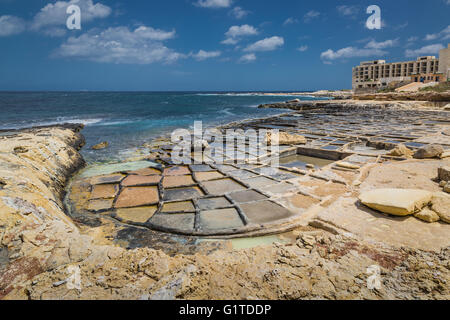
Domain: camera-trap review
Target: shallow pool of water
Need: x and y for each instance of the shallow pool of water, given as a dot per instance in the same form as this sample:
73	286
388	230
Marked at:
300	161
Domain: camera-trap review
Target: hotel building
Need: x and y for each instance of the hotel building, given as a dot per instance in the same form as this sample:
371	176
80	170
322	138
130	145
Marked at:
377	74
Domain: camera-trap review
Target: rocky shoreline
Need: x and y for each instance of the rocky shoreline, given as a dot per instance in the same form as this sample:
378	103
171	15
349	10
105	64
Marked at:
330	257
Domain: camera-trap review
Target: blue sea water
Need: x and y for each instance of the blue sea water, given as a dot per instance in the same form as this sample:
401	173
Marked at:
129	119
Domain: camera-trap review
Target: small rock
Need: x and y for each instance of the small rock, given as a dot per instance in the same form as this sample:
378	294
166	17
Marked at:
445	154
427	215
442	183
429	151
441	205
310	166
294	101
100	146
447	187
347	165
401	151
444	173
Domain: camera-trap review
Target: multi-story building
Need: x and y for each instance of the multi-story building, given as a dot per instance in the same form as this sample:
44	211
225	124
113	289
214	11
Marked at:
379	74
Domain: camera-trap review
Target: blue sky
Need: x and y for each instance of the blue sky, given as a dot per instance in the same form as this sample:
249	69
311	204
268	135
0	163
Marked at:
216	45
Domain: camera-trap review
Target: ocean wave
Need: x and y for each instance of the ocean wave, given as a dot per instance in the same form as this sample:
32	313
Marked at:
57	121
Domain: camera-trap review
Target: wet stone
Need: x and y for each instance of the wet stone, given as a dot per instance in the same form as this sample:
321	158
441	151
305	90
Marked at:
260	182
220	219
242	174
219	187
100	204
109	179
182	193
177	181
182	221
247	196
265	211
200	168
206	176
104	191
135	180
137	196
213	203
182	206
225	167
276	173
136	215
146	172
176	171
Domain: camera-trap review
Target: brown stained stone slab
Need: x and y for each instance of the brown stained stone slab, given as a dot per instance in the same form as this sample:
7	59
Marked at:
206	176
182	206
213	203
182	194
137	196
220	219
260	182
135	180
146	172
104	191
182	221
107	179
265	211
100	204
247	196
136	215
177	181
301	201
176	171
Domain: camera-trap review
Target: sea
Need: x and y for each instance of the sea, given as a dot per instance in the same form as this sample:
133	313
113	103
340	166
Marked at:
128	120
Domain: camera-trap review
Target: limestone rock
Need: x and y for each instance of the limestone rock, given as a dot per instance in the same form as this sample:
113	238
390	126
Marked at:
441	205
286	139
427	215
100	146
445	154
444	173
429	151
401	151
347	165
399	202
447	187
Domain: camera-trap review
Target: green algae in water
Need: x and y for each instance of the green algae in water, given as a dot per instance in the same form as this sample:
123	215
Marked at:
103	169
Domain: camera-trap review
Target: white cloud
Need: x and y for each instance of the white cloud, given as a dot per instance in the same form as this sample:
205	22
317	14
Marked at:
154	34
302	48
247	58
235	33
214	3
51	19
10	25
444	34
203	55
267	44
431	49
310	15
381	45
289	21
413	39
239	13
350	52
348	10
120	45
